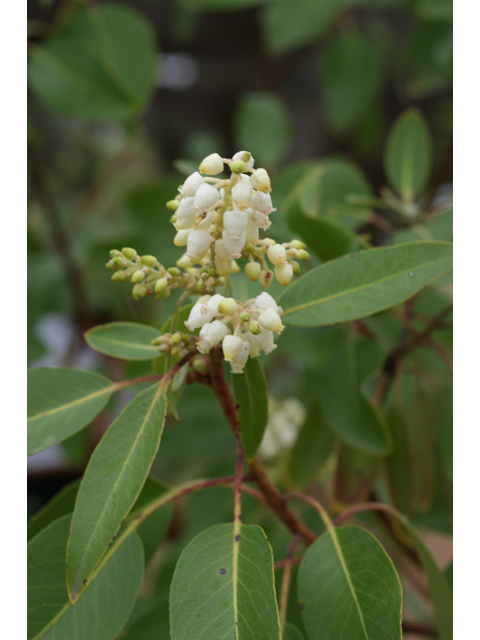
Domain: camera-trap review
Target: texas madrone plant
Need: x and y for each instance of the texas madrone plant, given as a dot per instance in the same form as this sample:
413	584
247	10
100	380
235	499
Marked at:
90	547
218	220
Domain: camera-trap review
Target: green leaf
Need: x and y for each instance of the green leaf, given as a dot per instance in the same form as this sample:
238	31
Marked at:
313	447
364	283
219	5
349	411
346	570
103	64
153	625
251	397
355	476
408	154
60	505
439	227
446	434
435	9
113	480
288	25
262	126
107	601
220	581
290	632
124	340
350	79
61	402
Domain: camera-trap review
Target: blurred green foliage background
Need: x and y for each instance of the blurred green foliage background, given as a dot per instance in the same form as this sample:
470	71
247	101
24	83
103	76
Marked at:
124	98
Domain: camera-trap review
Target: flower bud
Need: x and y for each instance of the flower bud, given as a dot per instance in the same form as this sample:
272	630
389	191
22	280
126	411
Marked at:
241	193
252	271
174	351
191	184
265	301
296	268
137	277
266	278
296	244
245	317
284	273
237	166
261	181
234	246
246	157
181	238
139	291
177	338
231	347
261	202
115	253
205	197
119	263
161	286
211	334
211	165
303	255
198	244
119	276
149	261
184	262
241	358
174	271
277	254
270	320
172	205
235	222
254	328
130	254
227	307
200	365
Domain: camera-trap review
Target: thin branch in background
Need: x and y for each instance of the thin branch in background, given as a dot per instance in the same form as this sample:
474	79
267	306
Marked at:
287	574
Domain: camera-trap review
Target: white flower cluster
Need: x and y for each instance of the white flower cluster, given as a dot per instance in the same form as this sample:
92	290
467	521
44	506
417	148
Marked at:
219	220
285	417
243	328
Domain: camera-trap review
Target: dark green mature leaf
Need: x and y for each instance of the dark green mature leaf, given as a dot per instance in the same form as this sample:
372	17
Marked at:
124	340
101	65
313	447
350	78
435	9
364	283
153	625
439	227
107	601
61	402
346	570
288	25
408	154
251	397
262	125
349	412
220	581
290	632
60	505
355	475
113	480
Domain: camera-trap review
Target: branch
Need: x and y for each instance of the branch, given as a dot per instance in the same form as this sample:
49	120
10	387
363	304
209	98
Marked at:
287	574
273	497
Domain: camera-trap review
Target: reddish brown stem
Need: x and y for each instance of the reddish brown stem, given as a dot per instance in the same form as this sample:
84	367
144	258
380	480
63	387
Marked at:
237	494
273	497
287	574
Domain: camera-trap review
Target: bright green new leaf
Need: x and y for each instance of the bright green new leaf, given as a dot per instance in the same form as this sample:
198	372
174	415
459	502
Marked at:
350	78
251	397
103	64
113	480
348	588
288	25
313	447
262	126
408	154
60	402
221	581
124	340
103	610
364	283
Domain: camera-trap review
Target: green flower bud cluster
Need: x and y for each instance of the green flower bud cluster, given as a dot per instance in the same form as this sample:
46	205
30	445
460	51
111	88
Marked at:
176	344
284	258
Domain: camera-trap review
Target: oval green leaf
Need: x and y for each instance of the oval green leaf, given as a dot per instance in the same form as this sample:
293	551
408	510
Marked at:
262	125
124	340
60	505
107	601
347	570
363	283
60	402
113	480
408	154
101	65
220	582
290	632
350	78
251	397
